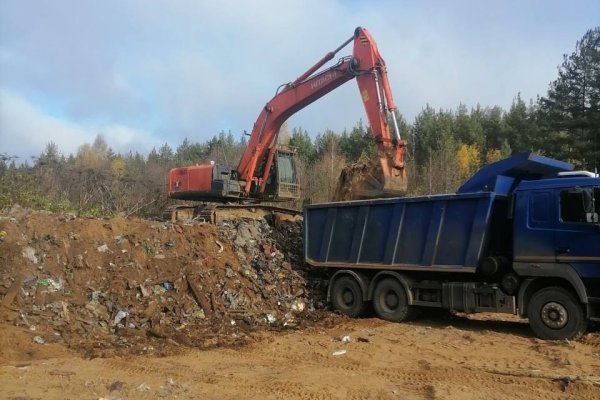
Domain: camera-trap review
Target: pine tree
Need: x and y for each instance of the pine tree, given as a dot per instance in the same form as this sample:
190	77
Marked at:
571	109
521	129
467	127
359	142
303	144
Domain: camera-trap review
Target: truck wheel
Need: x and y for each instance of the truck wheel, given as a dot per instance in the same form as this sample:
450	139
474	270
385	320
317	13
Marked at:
390	301
347	297
554	314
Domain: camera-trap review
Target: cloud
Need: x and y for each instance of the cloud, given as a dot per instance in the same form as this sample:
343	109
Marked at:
25	130
166	70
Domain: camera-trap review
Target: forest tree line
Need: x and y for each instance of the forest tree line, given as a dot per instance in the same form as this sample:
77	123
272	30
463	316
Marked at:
444	148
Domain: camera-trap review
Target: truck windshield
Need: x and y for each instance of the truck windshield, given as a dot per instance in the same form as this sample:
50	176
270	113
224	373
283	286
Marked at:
580	205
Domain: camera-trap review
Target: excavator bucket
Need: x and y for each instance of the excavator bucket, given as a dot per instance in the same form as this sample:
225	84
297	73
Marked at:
371	179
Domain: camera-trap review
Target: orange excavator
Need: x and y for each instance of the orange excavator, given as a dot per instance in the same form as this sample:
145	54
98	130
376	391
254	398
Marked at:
267	170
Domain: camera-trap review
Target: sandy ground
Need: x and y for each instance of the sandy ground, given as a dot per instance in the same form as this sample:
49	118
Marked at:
230	312
459	358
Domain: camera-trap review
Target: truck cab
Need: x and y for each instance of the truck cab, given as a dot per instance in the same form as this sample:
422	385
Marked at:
556	232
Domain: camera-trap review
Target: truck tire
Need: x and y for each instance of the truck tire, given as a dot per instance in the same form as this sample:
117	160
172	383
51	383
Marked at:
555	314
391	302
347	296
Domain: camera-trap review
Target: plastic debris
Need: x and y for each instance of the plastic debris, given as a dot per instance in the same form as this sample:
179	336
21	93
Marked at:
43	282
144	291
143	387
55	284
120	316
345	339
158	289
424	331
29	253
39	340
339	353
270	318
298	306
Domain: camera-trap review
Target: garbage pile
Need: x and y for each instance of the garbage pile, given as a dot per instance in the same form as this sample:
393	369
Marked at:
126	285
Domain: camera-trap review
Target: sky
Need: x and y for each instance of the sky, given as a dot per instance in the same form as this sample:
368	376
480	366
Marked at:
144	73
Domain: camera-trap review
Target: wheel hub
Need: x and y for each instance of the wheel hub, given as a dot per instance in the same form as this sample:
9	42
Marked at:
348	297
555	315
391	300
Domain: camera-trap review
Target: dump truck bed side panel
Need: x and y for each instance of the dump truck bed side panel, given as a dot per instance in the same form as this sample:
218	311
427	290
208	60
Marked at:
448	232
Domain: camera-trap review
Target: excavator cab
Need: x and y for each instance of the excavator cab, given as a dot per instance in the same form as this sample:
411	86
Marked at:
288	188
217	182
282	183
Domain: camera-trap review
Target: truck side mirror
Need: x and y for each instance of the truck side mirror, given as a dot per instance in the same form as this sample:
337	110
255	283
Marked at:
594	219
593	216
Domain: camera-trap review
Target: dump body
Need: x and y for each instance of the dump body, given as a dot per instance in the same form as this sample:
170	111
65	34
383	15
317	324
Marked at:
447	233
521	236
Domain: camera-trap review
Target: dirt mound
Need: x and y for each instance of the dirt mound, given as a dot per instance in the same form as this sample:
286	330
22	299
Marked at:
126	285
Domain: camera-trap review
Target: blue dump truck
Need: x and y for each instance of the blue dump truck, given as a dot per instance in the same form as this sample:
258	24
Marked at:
521	236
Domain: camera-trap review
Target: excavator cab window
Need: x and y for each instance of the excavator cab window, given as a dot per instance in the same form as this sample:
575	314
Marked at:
286	176
286	168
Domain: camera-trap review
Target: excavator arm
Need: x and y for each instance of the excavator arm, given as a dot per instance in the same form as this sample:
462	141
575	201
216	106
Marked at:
368	67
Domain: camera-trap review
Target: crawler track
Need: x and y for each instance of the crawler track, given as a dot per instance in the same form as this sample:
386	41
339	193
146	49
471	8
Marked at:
214	213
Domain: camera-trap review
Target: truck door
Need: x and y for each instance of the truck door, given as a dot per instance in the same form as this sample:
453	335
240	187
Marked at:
577	235
535	222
